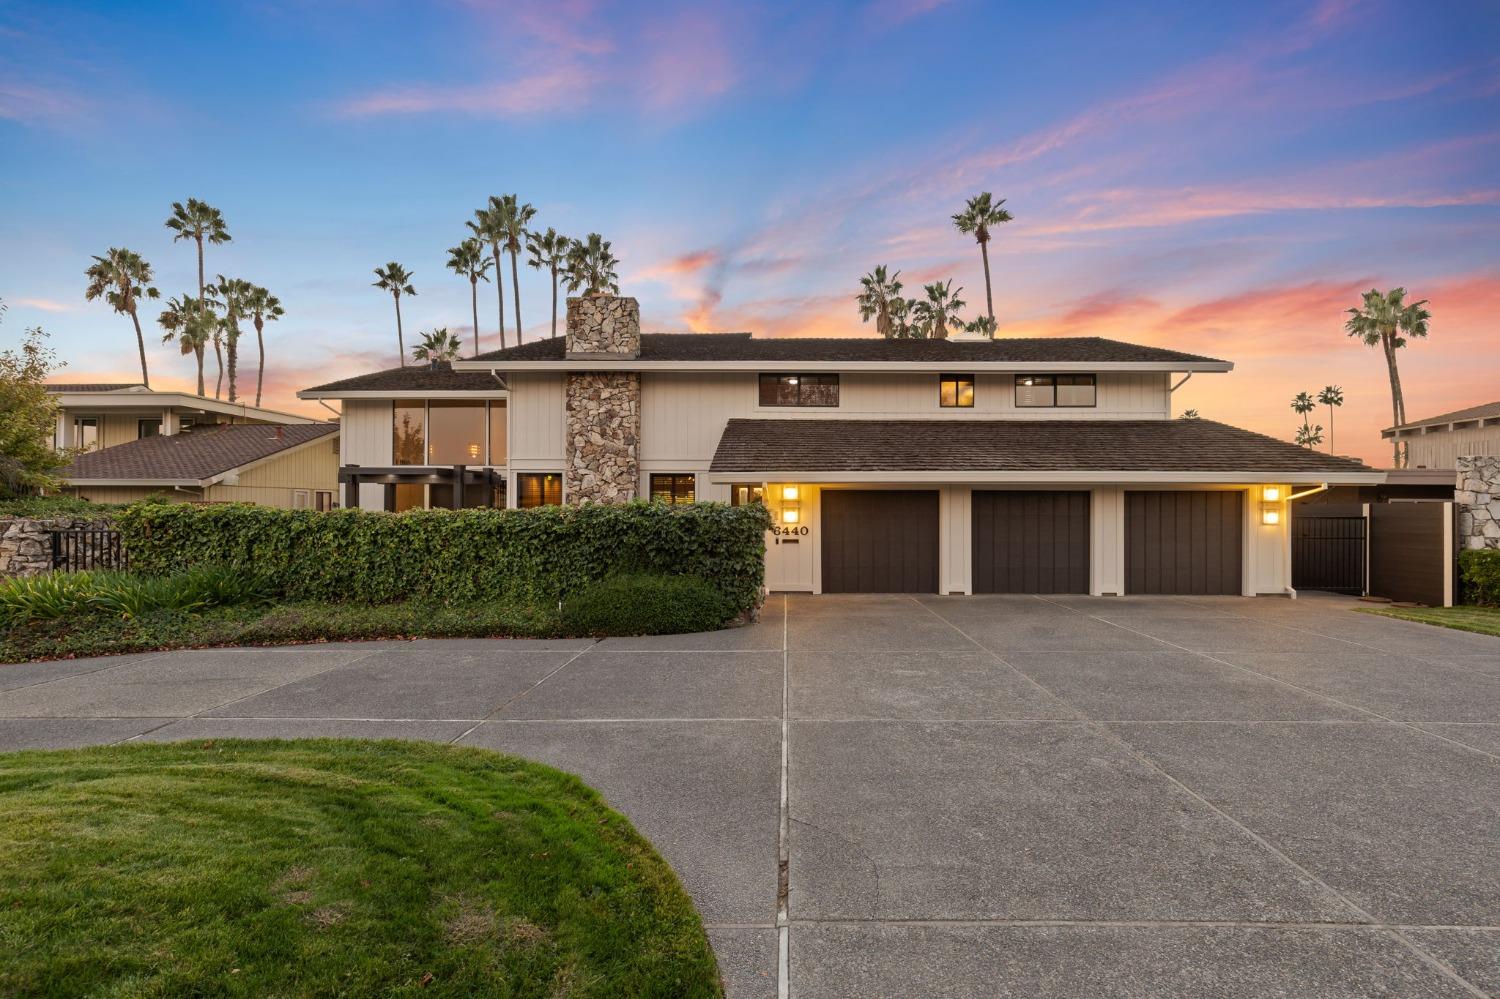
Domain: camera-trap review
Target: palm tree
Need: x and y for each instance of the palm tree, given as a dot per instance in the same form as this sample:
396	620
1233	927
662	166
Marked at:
514	220
233	295
397	280
122	277
192	325
902	312
1309	437
983	324
1190	414
1331	396
199	221
939	310
439	345
467	259
1303	404
1386	320
488	227
591	266
977	217
877	291
262	307
550	250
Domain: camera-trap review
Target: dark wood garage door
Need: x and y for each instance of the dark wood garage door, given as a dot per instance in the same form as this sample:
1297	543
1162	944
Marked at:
1188	542
1031	542
880	541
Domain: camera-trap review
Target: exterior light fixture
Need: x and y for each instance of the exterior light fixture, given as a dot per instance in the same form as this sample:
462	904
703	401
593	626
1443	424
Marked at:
791	516
1271	494
1269	514
474	451
789	493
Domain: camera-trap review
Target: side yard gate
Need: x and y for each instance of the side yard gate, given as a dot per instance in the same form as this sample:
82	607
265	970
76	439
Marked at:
87	549
1400	551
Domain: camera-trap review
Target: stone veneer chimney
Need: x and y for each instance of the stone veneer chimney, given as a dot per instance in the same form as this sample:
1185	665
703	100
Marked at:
603	407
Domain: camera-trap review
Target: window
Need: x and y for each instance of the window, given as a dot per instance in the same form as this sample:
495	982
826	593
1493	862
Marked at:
410	434
538	489
956	391
299	499
497	432
86	432
323	500
147	428
799	390
674	488
455	432
745	493
1055	391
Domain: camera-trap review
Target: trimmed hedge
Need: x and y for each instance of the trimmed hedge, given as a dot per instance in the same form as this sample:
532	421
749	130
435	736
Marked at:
1479	571
645	604
455	556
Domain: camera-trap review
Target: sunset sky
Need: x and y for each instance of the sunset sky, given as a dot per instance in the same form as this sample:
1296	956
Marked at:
1220	178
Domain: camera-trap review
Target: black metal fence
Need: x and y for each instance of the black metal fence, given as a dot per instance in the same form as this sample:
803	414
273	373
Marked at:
88	549
1328	553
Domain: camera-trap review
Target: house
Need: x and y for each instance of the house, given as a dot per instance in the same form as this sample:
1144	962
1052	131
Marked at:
967	465
99	415
1439	441
411	433
291	465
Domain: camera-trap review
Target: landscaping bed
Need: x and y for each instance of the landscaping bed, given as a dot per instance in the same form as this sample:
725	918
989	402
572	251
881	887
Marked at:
1482	620
330	867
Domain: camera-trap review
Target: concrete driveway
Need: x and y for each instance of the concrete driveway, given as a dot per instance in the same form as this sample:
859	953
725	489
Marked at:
979	796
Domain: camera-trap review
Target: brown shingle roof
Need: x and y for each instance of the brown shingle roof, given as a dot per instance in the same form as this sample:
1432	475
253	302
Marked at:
818	445
415	378
1483	412
199	454
92	386
790	350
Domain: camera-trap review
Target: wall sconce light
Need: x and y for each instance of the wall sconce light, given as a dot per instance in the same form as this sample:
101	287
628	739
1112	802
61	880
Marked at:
789	493
1269	514
791	516
1271	494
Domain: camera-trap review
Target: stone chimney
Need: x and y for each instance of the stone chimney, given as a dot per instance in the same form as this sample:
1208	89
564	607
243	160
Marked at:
603	419
603	326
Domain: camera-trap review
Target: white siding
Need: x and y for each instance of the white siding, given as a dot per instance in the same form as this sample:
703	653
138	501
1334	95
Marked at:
955	540
537	414
1442	448
365	439
1107	541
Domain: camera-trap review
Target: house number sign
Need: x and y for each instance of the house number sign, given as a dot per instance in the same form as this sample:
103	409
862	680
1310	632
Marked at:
802	530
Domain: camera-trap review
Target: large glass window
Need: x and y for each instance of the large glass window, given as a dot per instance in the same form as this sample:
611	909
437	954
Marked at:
799	390
674	488
745	493
1055	390
956	391
538	489
410	434
455	432
497	432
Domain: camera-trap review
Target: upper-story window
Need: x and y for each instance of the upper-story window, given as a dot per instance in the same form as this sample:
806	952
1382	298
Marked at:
448	432
148	428
956	392
1060	391
799	390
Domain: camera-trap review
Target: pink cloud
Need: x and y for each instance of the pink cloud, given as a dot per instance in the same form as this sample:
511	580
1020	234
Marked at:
31	104
551	90
46	304
892	13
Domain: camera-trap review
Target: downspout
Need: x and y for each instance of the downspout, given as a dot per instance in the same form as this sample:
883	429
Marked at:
1180	384
331	409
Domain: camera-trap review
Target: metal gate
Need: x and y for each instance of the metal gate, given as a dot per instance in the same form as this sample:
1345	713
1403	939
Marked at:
1328	553
87	549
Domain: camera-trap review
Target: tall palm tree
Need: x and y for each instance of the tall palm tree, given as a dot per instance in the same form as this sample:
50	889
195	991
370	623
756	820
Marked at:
200	222
1386	320
233	294
397	280
591	266
877	291
977	218
515	218
1331	396
1302	404
191	325
488	226
550	250
903	318
938	312
122	277
467	259
439	345
262	307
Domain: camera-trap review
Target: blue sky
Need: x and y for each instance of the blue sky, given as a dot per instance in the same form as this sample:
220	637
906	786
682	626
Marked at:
1219	178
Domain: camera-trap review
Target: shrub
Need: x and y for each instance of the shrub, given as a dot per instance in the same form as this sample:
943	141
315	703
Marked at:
48	597
42	507
645	604
1479	571
454	557
45	598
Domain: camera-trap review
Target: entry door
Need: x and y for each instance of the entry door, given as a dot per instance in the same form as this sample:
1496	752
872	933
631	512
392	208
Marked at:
1184	542
1031	541
880	541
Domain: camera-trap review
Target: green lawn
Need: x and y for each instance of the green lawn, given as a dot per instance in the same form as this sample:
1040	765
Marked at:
329	867
1484	620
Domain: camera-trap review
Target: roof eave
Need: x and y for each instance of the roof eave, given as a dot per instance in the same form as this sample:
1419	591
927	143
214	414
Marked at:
1100	477
495	393
837	366
73	481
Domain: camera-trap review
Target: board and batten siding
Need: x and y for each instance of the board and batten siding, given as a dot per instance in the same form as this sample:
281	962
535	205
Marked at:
1442	449
538	407
365	439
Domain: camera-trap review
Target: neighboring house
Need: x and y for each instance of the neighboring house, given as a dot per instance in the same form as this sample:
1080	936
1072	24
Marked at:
939	466
409	434
92	416
1439	441
272	464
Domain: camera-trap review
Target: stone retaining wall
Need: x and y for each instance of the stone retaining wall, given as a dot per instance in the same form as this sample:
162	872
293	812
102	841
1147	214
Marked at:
1478	498
26	544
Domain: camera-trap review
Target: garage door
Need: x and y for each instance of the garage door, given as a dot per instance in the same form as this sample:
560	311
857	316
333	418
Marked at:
880	541
1188	542
1031	542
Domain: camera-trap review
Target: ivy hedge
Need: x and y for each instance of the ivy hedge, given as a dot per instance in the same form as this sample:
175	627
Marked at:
455	556
1479	571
